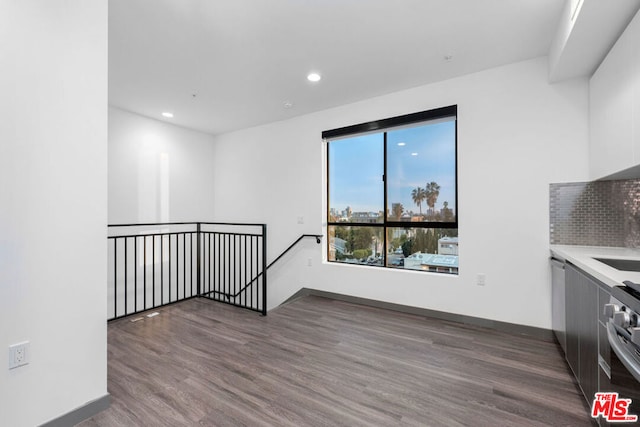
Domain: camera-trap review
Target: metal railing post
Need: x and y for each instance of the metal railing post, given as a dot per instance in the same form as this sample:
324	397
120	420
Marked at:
264	269
198	256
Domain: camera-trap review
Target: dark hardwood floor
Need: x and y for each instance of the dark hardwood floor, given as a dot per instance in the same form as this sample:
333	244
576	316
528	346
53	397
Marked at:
322	362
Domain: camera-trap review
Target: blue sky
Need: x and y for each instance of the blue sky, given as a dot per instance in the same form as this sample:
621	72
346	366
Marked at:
415	156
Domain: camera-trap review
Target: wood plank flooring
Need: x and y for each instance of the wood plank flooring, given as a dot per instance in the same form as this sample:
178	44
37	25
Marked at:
322	362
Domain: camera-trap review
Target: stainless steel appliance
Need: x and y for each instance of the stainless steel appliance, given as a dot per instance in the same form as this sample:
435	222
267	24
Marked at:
623	330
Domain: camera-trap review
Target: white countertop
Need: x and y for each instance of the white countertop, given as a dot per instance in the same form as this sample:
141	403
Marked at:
582	257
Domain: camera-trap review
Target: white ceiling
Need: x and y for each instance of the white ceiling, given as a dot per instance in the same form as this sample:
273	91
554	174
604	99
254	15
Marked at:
243	59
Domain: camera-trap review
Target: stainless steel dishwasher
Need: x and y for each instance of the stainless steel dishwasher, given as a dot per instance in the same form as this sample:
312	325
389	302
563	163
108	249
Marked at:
558	319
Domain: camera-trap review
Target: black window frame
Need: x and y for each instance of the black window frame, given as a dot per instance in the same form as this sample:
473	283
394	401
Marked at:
383	126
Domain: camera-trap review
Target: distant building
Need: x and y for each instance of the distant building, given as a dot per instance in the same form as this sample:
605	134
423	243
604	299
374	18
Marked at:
441	264
414	261
448	246
365	217
338	245
432	262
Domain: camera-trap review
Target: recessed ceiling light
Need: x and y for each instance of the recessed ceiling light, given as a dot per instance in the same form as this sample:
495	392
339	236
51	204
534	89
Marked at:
314	77
288	104
414	154
402	144
167	115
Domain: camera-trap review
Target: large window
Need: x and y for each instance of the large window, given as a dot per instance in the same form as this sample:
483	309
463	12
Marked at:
392	192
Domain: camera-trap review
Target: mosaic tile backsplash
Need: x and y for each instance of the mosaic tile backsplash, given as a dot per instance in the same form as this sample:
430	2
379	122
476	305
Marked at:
599	213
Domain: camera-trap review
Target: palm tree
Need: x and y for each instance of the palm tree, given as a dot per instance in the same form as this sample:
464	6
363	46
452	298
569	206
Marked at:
446	212
418	195
397	210
432	191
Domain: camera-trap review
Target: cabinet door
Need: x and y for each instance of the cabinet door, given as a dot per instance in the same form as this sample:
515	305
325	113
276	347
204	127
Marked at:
582	329
572	313
589	338
558	304
610	113
634	68
613	96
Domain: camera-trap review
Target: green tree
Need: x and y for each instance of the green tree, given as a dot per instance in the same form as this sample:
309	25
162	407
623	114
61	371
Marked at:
397	210
447	213
407	247
432	191
341	232
397	242
418	195
448	232
426	241
362	237
361	253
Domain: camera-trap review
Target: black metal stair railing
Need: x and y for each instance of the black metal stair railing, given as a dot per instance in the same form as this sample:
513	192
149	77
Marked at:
318	238
228	259
156	264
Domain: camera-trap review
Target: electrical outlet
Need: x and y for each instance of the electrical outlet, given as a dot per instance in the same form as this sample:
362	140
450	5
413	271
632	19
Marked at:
300	220
482	279
18	354
308	262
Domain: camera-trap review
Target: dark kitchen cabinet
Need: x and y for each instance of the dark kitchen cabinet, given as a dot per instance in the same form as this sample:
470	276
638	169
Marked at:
558	304
582	329
573	314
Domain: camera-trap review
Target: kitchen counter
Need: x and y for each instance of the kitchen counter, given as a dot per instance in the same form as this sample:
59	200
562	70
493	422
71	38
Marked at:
582	257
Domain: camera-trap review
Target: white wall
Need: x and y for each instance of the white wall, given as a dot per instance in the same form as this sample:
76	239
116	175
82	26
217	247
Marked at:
158	172
53	205
517	134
